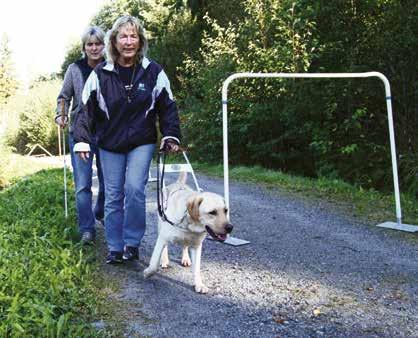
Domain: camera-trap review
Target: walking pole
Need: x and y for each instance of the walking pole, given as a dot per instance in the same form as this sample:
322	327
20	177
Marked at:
59	140
63	117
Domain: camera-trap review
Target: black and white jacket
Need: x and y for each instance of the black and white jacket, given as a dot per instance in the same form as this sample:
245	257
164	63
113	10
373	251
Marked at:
115	124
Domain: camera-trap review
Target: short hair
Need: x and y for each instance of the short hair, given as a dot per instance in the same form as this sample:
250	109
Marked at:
92	31
111	51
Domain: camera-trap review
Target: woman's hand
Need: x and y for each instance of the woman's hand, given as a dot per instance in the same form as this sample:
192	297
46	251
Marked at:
170	146
84	155
62	121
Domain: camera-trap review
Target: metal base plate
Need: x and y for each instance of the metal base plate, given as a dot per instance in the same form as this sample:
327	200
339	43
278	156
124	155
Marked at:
397	226
233	241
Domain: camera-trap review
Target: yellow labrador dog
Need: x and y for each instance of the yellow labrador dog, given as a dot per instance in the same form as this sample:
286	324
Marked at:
194	215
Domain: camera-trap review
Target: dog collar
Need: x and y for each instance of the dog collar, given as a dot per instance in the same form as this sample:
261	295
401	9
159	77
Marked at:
183	225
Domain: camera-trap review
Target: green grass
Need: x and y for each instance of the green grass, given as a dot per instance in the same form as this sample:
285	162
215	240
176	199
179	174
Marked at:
48	284
51	287
369	204
14	166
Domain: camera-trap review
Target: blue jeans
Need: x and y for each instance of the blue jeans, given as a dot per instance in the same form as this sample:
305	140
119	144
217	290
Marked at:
125	178
82	172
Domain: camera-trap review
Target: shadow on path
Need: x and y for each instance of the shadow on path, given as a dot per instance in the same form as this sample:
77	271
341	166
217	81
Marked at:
309	271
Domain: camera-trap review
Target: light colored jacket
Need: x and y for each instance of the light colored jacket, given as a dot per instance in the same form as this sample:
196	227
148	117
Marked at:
71	93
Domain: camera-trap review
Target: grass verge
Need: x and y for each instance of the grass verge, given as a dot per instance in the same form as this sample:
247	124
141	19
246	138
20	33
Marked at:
49	284
14	166
369	204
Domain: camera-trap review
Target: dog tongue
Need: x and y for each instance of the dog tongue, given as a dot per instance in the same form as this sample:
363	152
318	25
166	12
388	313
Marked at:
221	237
215	236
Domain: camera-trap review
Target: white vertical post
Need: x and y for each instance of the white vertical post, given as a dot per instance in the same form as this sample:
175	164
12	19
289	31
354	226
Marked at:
312	75
392	148
225	145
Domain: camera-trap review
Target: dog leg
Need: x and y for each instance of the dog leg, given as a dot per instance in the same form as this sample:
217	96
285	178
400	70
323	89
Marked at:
165	261
155	258
196	253
185	259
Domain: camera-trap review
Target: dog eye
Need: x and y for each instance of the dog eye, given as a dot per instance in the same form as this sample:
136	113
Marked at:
226	210
213	213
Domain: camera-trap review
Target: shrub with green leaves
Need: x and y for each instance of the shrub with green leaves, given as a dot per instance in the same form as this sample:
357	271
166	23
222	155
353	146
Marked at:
32	118
45	283
316	128
273	36
4	158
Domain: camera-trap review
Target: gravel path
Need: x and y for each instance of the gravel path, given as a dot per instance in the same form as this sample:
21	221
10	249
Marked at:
309	271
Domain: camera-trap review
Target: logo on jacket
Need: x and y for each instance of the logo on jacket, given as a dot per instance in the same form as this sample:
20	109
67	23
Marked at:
141	86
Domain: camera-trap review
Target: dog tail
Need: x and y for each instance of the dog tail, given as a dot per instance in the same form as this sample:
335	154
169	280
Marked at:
182	177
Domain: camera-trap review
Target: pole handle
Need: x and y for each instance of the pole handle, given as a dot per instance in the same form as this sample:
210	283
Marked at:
63	113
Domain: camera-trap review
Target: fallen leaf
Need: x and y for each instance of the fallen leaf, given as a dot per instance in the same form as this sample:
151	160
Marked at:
279	320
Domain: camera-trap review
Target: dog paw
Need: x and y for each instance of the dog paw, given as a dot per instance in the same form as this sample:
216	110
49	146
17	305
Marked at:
164	262
186	262
165	265
148	272
201	288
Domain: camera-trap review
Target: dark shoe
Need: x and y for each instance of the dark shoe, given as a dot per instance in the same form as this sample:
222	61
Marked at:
131	253
87	238
100	221
98	215
114	257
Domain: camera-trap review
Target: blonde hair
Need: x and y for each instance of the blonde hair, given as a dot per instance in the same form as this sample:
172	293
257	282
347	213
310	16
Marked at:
111	51
92	31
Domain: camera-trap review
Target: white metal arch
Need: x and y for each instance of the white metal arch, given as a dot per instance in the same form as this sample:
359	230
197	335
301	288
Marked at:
398	224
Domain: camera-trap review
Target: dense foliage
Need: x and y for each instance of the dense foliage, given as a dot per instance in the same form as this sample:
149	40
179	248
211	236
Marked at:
4	164
333	128
30	117
8	82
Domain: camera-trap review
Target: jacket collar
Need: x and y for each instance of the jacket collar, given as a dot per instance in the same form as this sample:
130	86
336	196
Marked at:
110	66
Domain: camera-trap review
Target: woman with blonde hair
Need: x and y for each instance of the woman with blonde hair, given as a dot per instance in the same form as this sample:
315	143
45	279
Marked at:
92	43
125	96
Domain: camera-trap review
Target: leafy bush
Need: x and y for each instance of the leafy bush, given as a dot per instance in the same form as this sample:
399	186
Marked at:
4	159
263	123
32	118
318	128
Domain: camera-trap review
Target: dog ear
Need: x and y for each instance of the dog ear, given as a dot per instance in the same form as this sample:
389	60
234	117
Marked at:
193	207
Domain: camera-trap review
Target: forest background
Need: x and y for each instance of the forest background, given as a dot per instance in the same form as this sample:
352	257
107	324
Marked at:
314	128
